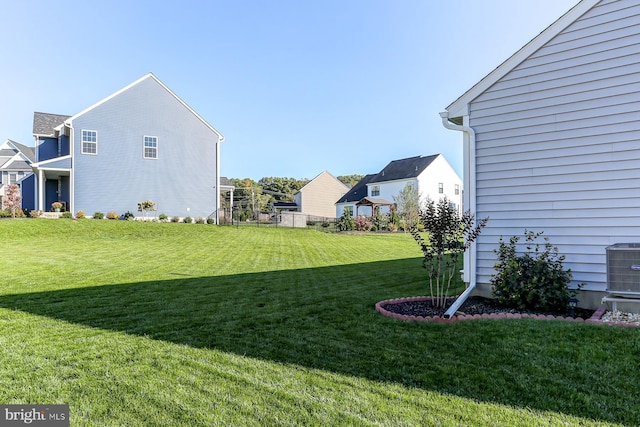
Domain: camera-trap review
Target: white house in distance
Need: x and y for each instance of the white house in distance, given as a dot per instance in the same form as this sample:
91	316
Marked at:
551	143
432	175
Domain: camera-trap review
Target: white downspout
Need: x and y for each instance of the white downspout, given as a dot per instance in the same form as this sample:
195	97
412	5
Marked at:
469	160
217	218
72	190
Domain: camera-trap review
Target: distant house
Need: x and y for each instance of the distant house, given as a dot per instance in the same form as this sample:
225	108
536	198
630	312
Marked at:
318	196
551	143
15	168
349	201
432	175
142	142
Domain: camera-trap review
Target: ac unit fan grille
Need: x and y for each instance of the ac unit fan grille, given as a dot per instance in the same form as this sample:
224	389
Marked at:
623	268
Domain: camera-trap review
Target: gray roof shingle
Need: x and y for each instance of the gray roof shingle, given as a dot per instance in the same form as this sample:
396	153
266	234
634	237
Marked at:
404	168
358	192
27	151
44	123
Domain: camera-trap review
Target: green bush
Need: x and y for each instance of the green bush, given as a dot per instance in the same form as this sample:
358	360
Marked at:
67	215
380	221
210	220
346	221
128	216
163	217
187	220
535	280
98	215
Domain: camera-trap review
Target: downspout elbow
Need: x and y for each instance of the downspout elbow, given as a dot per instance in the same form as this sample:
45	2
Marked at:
449	125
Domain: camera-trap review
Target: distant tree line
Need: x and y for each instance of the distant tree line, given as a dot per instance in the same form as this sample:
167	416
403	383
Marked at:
252	196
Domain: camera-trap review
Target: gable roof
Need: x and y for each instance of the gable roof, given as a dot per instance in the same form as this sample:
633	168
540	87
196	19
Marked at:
403	169
320	175
29	152
45	123
358	192
458	108
148	76
15	156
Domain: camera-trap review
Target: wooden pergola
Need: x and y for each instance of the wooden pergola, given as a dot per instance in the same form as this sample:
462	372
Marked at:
374	202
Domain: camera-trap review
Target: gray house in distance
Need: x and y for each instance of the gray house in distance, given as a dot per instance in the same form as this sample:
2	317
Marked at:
142	142
15	168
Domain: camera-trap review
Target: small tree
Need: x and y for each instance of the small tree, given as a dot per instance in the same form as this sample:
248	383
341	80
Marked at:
11	201
408	201
146	206
449	235
346	222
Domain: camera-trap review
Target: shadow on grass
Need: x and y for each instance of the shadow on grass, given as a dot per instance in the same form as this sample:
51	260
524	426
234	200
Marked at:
324	318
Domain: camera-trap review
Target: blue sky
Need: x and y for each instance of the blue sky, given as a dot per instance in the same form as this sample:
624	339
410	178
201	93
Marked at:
296	87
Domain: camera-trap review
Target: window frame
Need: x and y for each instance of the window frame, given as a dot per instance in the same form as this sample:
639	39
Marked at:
375	190
86	143
145	147
441	188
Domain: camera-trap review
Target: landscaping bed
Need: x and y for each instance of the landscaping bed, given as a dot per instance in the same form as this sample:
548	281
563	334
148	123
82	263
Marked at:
475	306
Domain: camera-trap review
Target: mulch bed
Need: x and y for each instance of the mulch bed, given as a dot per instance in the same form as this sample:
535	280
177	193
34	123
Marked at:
474	305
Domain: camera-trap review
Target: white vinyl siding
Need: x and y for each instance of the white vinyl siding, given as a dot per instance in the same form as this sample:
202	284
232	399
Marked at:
557	144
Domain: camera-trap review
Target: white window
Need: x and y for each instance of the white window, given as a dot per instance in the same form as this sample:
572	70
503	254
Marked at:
440	188
89	142
13	178
150	147
375	190
457	189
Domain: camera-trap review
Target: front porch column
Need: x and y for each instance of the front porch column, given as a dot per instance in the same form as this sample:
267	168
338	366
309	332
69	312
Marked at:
40	186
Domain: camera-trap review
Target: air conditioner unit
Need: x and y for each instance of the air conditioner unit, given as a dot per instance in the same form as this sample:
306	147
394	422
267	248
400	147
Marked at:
623	269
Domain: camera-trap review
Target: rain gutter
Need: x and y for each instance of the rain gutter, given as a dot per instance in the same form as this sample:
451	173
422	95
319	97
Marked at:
469	139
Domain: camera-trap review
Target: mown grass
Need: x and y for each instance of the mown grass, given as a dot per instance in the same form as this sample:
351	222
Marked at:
174	324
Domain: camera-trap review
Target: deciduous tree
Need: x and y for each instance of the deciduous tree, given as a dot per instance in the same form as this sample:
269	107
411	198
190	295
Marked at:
449	235
11	201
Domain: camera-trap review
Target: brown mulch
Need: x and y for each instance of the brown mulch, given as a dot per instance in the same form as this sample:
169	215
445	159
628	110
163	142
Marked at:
473	305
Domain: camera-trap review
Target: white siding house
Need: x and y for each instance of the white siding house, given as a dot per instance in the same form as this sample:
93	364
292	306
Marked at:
432	175
551	142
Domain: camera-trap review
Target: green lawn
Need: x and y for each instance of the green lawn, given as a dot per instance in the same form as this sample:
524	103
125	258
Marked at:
138	324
